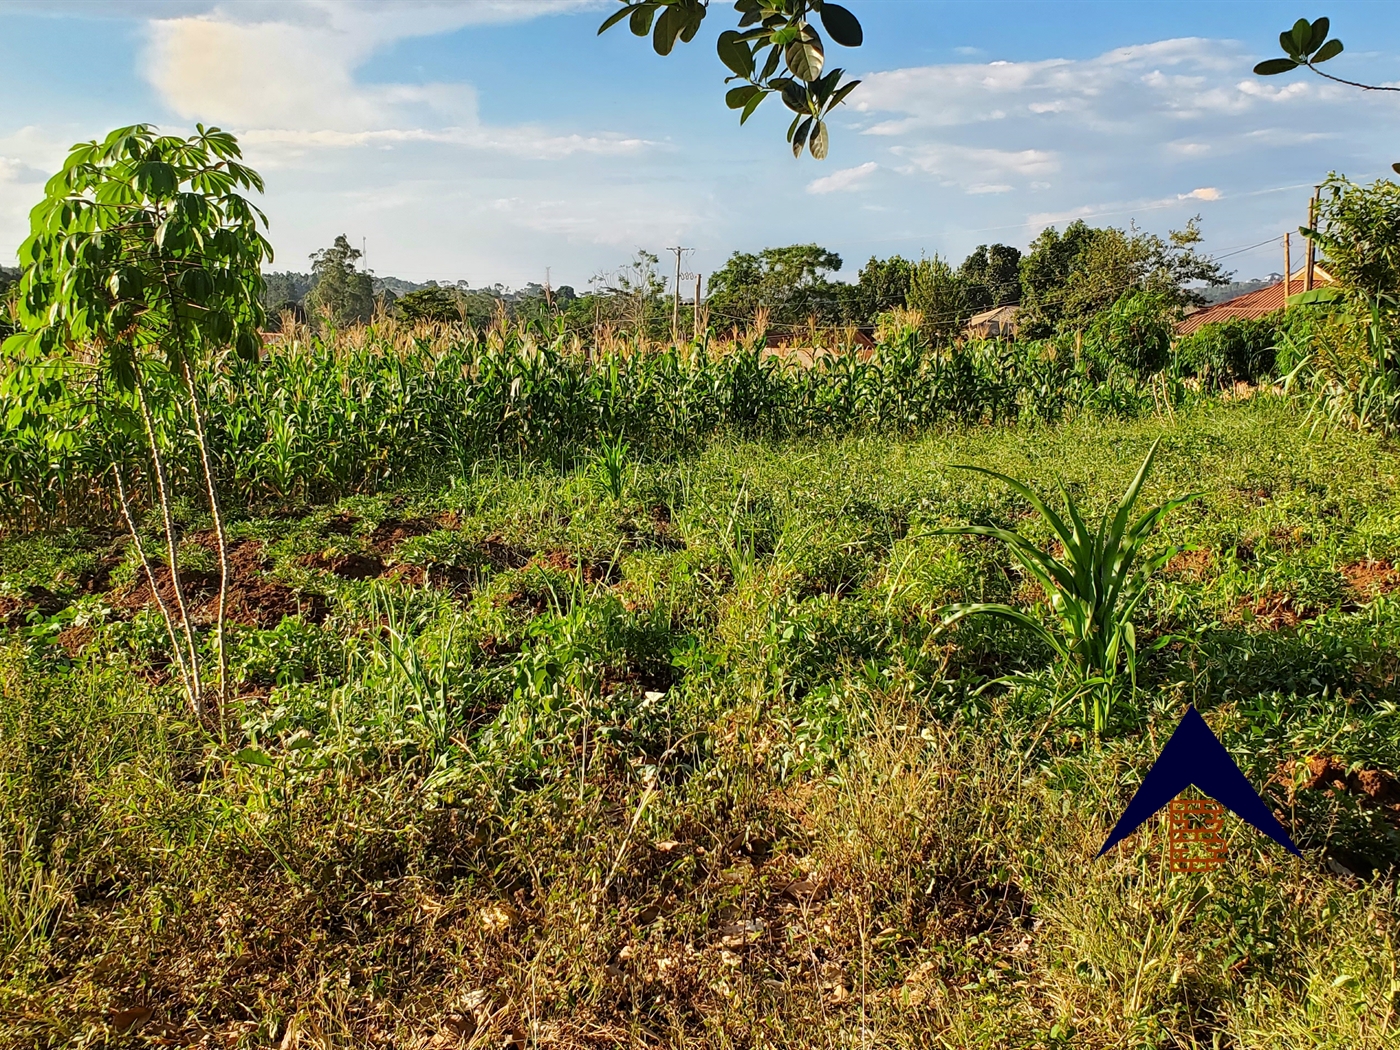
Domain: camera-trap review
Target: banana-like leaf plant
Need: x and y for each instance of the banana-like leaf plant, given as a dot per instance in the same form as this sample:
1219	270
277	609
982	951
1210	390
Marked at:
1095	585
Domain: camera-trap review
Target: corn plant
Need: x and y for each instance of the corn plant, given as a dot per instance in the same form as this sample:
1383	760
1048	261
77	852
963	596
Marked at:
611	467
1095	586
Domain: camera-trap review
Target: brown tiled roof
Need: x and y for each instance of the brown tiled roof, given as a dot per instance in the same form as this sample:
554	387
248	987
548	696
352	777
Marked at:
1251	306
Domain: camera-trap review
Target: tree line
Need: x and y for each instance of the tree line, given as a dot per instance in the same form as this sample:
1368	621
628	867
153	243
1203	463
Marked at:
1062	281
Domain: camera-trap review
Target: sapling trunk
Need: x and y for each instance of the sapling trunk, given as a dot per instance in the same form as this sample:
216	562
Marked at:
171	548
219	537
155	590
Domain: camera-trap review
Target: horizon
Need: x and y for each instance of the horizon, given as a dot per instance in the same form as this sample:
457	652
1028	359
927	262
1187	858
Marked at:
416	130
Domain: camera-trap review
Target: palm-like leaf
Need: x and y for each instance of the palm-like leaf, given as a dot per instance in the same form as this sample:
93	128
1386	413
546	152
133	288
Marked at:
1094	587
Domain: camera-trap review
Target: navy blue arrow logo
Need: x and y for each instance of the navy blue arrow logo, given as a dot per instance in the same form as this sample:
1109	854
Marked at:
1193	755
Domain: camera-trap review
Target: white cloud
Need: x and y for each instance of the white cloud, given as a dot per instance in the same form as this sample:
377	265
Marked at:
845	179
286	76
1201	193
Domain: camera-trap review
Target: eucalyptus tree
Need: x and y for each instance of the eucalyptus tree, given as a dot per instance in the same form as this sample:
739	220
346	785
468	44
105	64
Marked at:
776	50
143	259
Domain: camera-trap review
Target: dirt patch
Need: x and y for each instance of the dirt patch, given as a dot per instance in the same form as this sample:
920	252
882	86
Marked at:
75	638
1190	565
15	609
253	600
391	532
563	561
342	524
348	566
1371	578
1327	773
501	555
1271	611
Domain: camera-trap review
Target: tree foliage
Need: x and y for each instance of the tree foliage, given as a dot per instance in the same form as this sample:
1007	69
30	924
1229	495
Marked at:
1358	228
145	254
1068	278
776	50
790	283
992	277
342	293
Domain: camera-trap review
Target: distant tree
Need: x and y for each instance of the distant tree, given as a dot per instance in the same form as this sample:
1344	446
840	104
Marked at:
342	294
881	285
794	67
791	283
991	276
937	292
1067	279
9	300
429	304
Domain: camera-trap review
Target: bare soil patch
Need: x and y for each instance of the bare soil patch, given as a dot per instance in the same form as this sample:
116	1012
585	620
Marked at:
253	599
1371	578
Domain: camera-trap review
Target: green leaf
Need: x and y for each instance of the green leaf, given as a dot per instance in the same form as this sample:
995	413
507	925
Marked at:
805	57
799	139
693	15
252	756
841	94
1302	37
614	18
1272	66
734	53
668	27
1316	296
739	97
1331	49
751	105
794	94
1285	41
842	25
640	23
817	144
770	65
1318	34
1396	168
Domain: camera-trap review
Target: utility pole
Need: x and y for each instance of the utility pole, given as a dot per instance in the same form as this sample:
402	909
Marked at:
676	300
1287	268
697	309
1312	251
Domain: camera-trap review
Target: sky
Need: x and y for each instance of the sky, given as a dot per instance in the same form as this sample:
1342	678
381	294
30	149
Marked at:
505	141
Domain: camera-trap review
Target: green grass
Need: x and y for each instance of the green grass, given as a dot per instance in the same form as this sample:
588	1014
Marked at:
670	751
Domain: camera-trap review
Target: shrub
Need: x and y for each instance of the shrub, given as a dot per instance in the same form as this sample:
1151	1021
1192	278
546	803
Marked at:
1135	331
1231	351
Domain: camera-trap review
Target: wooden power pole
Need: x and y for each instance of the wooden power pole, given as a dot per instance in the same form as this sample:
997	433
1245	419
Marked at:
676	300
697	309
1287	268
1312	249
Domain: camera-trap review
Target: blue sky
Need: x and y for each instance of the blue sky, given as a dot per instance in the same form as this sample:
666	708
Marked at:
487	140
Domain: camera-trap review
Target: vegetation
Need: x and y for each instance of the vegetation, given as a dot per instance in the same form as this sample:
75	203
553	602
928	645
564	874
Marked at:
341	293
523	754
793	68
143	262
580	684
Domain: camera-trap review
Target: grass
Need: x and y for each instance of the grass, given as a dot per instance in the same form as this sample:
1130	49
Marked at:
668	750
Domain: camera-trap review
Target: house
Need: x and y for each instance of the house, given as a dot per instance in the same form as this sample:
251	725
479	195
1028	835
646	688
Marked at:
1253	305
998	321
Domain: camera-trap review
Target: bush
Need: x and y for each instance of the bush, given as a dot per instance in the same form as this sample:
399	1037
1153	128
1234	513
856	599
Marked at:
1237	350
1135	331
